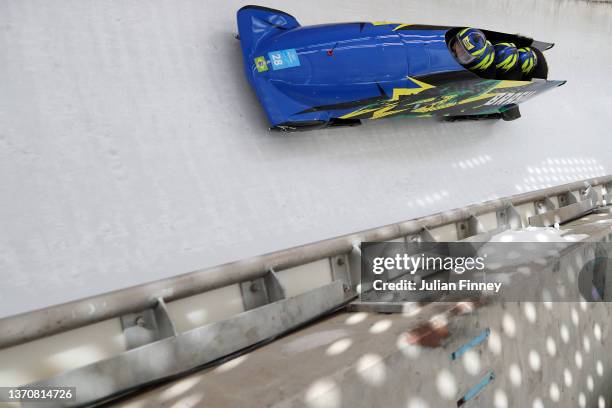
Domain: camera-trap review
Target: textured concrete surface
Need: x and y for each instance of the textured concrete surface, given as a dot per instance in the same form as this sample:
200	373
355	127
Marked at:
132	149
542	356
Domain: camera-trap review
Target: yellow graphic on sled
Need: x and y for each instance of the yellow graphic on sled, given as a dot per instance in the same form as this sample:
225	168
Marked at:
397	104
393	103
398	26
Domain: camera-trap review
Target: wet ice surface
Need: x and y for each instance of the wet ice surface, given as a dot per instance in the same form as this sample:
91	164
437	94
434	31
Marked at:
132	149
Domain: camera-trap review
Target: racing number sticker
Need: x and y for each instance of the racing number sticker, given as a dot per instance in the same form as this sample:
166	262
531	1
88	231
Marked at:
261	64
284	59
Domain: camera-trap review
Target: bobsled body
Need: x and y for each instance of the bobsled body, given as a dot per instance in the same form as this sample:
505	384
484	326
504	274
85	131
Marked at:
339	74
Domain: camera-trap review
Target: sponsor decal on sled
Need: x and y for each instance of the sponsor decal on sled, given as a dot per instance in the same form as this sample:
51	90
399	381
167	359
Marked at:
284	59
506	98
261	64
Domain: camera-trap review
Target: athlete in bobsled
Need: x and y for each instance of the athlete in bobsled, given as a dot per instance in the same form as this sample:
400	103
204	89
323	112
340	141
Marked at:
340	74
501	61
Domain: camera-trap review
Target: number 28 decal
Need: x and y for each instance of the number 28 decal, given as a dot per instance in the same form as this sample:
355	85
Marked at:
284	59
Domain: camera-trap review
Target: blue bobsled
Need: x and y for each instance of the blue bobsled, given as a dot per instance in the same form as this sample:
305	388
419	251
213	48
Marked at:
339	74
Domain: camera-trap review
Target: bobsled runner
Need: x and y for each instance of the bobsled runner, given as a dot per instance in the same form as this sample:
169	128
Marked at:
339	74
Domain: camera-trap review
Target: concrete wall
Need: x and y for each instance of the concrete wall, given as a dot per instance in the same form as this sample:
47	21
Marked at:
554	355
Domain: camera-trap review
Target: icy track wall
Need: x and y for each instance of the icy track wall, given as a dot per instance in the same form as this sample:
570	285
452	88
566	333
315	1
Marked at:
132	148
